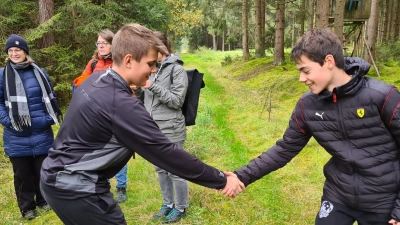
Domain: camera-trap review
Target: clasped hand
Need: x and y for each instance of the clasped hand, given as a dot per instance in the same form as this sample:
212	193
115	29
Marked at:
233	185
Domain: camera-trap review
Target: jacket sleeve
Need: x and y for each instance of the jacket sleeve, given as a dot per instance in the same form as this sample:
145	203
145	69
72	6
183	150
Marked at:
391	113
86	73
143	136
175	97
294	139
391	117
4	118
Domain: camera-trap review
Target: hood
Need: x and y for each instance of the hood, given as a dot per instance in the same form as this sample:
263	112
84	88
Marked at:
174	58
357	68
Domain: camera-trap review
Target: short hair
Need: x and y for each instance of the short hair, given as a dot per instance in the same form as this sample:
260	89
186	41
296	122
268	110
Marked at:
136	40
164	40
316	44
107	35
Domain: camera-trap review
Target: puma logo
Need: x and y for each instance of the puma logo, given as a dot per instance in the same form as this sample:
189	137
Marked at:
320	115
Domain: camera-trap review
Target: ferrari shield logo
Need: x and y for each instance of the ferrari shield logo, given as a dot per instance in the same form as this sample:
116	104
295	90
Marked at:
360	112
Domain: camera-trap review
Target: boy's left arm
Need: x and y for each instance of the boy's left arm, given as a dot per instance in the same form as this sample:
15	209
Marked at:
391	118
391	114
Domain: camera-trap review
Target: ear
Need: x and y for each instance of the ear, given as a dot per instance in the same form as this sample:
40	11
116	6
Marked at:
128	60
330	61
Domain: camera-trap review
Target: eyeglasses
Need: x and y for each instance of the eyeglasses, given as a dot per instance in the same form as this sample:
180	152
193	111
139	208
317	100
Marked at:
16	51
102	43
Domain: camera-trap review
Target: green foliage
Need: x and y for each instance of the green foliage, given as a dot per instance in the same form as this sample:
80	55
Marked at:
226	60
388	53
75	26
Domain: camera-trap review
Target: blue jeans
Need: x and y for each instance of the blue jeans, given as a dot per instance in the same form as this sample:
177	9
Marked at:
171	184
122	177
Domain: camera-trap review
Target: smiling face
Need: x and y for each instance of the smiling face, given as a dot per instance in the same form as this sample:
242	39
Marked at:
103	46
139	72
16	55
315	76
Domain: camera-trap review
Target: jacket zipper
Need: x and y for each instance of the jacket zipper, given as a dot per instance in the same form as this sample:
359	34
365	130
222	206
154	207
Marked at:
353	170
152	98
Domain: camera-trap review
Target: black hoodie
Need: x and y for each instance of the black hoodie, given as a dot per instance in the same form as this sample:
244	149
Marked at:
103	127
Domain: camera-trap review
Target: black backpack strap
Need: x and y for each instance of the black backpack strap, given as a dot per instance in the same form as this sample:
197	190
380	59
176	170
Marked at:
94	63
171	75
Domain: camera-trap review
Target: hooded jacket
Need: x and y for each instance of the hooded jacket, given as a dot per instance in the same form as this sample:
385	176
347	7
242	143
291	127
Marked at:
358	124
164	100
103	127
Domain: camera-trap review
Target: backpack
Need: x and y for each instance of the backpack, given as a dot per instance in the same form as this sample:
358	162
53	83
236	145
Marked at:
94	63
191	103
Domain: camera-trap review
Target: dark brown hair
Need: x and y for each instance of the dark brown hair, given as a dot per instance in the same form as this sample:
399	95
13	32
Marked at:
164	40
316	44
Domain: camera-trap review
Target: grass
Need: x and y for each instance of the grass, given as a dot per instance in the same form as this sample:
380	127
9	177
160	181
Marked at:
244	109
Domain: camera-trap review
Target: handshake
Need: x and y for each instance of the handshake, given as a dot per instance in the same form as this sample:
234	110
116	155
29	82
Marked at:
233	185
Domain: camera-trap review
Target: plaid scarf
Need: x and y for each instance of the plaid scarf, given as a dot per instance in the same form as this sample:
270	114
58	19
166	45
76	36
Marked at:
15	96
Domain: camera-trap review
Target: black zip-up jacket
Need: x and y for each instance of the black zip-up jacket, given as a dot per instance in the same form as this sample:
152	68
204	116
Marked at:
103	127
358	124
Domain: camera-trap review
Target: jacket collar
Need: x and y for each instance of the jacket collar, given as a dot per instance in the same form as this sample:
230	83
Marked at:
357	68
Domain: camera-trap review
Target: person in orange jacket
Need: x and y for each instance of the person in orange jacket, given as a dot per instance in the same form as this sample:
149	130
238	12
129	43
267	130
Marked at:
102	60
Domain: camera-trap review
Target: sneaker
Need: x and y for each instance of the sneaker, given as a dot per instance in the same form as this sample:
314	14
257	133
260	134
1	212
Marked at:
45	207
30	214
174	216
163	212
121	195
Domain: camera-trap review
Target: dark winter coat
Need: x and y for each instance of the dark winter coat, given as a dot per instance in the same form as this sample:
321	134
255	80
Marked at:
36	139
358	124
102	129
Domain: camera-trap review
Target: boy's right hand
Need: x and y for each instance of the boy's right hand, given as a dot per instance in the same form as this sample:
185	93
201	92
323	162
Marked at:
134	87
233	185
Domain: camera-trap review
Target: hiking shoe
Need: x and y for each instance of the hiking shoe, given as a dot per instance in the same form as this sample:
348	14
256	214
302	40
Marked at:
30	214
163	212
45	207
174	216
121	195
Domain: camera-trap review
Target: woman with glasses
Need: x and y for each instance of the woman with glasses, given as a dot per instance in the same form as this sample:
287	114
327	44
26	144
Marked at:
28	108
101	60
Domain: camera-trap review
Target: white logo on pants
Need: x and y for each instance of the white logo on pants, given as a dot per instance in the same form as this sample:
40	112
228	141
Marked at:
326	208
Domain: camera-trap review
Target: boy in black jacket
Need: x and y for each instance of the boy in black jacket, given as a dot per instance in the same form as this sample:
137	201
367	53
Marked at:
103	128
357	121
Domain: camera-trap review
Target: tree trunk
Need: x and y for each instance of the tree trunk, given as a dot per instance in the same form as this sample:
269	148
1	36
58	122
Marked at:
322	14
245	31
385	32
263	27
339	16
258	36
302	17
223	41
391	19
396	33
372	30
214	37
311	4
46	12
279	55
